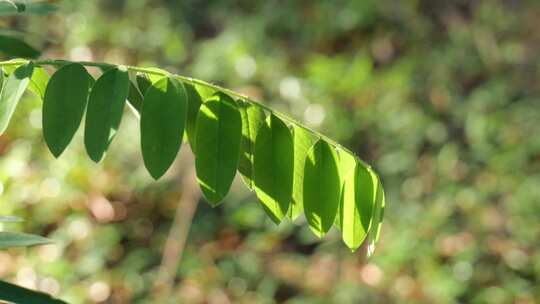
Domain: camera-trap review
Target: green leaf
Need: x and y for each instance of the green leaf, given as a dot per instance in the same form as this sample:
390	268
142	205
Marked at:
303	141
135	98
205	92
19	295
104	113
15	239
64	103
38	82
347	164
12	92
219	131
356	206
253	118
143	83
163	118
322	187
9	219
153	77
194	103
377	218
13	46
273	164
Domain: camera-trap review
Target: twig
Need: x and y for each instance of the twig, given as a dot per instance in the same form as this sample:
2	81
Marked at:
176	240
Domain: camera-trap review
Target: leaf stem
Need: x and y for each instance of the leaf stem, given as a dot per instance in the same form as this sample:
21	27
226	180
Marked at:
193	81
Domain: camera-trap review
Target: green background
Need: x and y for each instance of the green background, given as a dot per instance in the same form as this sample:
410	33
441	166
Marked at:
442	98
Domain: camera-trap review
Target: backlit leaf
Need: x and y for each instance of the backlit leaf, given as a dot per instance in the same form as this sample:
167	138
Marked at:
219	131
163	118
322	187
153	77
356	206
13	89
64	103
252	119
104	113
303	140
205	92
377	218
38	82
347	164
16	239
273	163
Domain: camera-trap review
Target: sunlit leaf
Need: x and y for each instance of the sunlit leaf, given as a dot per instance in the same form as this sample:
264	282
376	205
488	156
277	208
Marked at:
273	163
16	239
38	82
64	103
356	205
13	89
219	131
16	47
252	119
163	118
157	75
19	295
303	140
322	187
347	164
377	218
205	92
104	113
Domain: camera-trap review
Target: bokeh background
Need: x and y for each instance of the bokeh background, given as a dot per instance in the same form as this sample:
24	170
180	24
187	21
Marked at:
441	97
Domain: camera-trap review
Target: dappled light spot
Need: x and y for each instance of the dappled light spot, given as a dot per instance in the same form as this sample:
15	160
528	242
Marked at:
99	291
371	274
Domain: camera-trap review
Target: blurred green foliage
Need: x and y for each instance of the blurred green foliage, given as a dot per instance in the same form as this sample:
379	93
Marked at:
442	97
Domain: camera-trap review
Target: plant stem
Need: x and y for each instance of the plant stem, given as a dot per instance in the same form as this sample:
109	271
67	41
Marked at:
193	81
